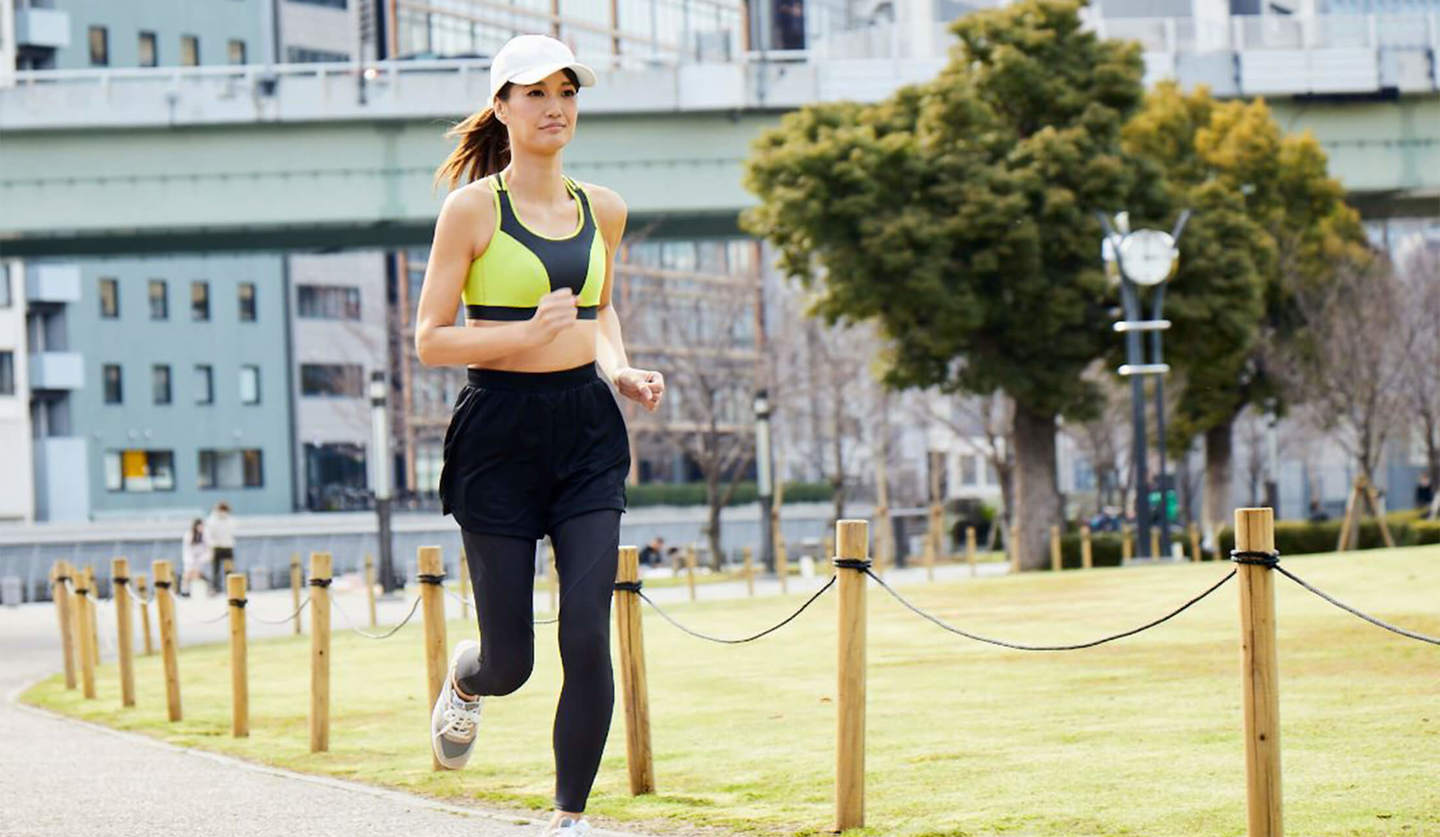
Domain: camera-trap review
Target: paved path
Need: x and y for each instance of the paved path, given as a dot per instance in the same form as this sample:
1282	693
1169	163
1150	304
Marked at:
66	777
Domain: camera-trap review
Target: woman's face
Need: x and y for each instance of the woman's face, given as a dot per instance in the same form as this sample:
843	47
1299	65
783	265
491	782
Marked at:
540	116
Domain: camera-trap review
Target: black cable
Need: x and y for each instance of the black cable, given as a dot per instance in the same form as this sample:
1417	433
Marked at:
629	586
1372	620
237	602
1076	647
746	639
162	585
431	578
852	563
320	582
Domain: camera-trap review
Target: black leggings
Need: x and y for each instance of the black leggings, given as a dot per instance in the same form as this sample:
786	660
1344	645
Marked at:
502	571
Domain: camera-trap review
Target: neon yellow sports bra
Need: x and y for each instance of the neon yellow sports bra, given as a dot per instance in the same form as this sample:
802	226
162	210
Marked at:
521	265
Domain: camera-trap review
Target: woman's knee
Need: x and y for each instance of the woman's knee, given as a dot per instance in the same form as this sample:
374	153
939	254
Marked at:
499	675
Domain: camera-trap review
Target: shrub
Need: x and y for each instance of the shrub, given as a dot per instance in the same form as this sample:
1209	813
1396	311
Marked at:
693	493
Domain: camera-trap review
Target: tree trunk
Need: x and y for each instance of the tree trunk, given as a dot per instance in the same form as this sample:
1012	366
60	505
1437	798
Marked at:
712	533
1215	505
837	407
1036	498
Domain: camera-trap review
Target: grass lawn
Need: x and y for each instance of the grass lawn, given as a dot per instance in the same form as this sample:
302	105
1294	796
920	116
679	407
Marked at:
1138	737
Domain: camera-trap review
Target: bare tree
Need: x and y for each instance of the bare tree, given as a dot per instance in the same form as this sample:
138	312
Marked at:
699	330
1352	368
983	425
1106	442
1421	380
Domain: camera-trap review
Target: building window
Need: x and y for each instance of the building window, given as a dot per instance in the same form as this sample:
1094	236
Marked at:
969	470
200	300
254	472
249	385
247	302
99	47
236	52
305	55
113	392
160	382
322	302
189	50
149	56
139	471
7	373
230	468
331	381
159	300
109	298
5	299
204	384
334	4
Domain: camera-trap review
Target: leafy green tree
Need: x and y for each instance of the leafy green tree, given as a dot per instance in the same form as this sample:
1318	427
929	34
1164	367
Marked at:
1270	226
960	215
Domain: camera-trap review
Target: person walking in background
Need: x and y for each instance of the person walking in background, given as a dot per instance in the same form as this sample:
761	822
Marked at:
220	532
194	549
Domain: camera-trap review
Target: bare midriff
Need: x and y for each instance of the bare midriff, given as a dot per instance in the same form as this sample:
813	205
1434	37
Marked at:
575	346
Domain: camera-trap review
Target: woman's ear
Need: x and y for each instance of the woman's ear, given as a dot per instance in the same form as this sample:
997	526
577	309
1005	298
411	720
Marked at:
501	108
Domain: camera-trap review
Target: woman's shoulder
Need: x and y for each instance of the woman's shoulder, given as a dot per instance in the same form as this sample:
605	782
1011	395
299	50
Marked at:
610	208
476	196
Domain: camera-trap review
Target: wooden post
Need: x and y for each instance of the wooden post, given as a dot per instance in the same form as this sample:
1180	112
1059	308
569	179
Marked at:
319	652
370	584
970	549
1155	543
295	579
1372	499
1194	532
165	616
87	638
749	571
1255	530
632	674
60	575
465	591
1055	562
550	573
124	628
432	599
850	694
1127	543
1087	552
91	622
142	585
936	539
782	567
690	569
239	674
1349	525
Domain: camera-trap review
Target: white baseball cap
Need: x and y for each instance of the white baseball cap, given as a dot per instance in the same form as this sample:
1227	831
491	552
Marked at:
527	59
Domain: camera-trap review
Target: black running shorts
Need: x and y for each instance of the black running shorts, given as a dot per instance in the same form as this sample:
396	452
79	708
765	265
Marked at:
526	450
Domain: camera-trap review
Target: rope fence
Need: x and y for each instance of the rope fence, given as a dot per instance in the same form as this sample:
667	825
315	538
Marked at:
1253	560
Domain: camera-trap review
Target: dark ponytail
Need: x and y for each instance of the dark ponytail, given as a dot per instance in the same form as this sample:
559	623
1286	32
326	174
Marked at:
484	147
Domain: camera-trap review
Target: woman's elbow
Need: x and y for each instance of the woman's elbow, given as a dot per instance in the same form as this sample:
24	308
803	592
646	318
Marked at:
424	347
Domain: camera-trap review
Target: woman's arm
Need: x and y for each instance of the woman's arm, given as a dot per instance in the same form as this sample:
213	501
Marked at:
462	232
610	214
644	386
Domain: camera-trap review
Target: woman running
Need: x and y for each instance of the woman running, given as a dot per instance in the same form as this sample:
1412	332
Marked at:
536	444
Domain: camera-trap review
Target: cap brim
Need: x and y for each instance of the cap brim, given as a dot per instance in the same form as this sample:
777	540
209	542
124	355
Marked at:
583	74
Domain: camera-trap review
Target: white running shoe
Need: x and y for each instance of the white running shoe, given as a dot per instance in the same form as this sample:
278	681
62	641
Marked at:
453	720
569	828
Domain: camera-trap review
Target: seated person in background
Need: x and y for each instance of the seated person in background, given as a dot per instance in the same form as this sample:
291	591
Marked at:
653	553
1317	512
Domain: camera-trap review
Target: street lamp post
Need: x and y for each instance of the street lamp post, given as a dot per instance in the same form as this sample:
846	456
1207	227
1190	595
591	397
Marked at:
1141	259
762	474
380	473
